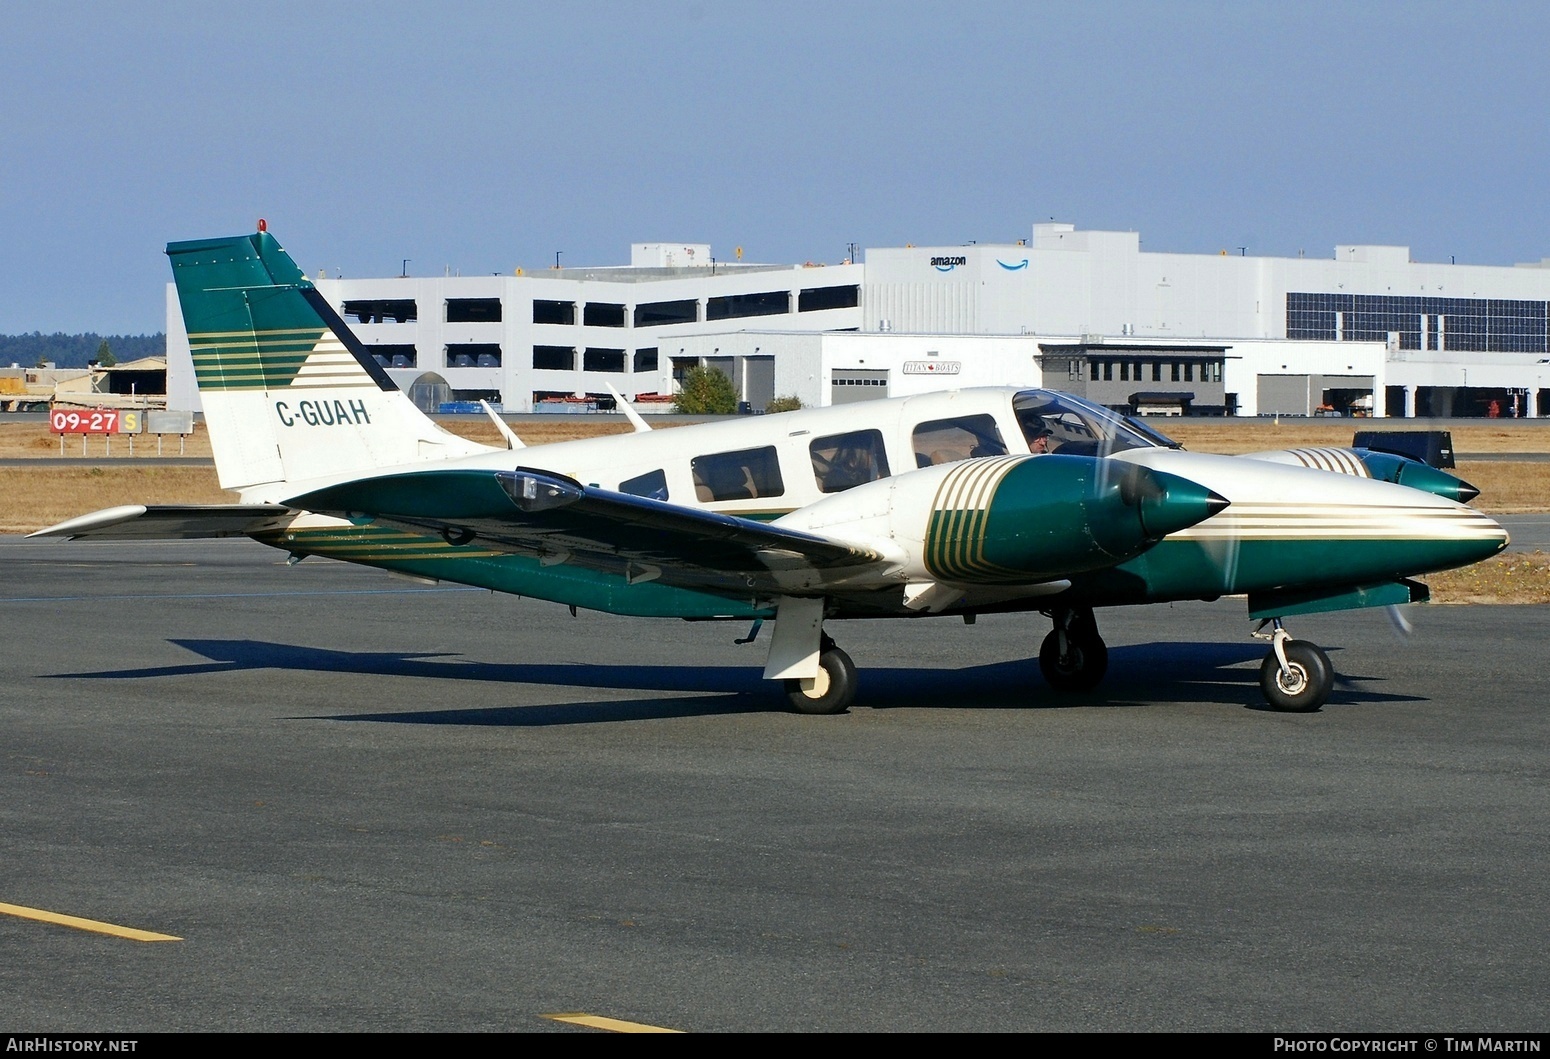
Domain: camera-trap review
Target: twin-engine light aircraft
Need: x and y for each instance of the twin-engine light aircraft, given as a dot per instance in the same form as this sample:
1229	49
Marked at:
956	503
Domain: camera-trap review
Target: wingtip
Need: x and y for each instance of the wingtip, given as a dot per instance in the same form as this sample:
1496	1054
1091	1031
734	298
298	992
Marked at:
109	516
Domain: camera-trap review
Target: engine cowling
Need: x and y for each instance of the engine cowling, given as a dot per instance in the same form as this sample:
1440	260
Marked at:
1015	519
1369	463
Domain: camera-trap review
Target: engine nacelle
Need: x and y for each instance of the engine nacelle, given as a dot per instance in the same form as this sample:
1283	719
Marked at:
1369	463
1014	519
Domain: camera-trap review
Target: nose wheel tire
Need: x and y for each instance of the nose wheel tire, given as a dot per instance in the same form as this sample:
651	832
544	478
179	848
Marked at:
1304	685
1080	668
832	691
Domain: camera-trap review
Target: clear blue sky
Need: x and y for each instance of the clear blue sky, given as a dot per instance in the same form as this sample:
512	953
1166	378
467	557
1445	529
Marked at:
483	136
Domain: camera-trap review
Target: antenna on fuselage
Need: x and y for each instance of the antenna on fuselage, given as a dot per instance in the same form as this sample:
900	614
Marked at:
512	441
636	421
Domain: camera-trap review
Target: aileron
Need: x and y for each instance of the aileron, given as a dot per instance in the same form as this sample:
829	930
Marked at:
132	522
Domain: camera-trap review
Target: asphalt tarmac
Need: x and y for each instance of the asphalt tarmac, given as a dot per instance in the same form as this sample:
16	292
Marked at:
1528	533
362	804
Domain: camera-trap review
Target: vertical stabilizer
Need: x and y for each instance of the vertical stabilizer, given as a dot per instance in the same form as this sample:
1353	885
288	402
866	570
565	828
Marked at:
289	393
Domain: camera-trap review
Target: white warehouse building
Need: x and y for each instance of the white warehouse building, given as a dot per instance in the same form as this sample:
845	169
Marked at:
1366	331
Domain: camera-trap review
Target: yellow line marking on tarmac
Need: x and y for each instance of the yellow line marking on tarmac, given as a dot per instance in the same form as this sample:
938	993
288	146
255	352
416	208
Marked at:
598	1022
84	924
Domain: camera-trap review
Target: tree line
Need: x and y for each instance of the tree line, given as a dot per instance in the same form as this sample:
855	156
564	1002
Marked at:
76	351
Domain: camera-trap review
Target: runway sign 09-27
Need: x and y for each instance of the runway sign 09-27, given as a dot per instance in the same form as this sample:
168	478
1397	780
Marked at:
96	421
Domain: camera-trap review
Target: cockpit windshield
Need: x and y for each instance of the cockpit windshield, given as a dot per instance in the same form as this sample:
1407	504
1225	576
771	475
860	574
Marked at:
1059	422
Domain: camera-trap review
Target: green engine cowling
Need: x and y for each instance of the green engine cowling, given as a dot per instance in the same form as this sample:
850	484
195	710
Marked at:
1402	470
1014	520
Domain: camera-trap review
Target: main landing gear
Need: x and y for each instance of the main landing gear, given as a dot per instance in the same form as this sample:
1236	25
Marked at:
832	690
1073	656
1296	675
816	676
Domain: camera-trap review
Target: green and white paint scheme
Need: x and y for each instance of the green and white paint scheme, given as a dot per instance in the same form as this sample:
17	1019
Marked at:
957	507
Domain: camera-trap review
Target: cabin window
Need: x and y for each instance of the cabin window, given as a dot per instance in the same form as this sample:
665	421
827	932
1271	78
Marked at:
473	310
843	461
652	484
951	440
741	475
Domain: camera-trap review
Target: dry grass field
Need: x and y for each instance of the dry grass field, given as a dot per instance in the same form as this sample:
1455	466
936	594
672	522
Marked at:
24	440
1512	577
1235	436
32	497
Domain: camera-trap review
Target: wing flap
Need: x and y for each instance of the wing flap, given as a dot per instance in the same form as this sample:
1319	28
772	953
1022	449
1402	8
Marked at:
538	512
140	522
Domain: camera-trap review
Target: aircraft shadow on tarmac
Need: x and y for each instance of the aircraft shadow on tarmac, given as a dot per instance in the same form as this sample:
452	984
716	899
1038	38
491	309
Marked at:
1138	675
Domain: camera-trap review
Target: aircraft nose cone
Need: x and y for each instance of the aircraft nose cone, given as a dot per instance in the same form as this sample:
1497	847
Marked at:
1465	492
1169	503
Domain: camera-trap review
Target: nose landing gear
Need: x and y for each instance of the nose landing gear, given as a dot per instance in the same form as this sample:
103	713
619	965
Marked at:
1296	675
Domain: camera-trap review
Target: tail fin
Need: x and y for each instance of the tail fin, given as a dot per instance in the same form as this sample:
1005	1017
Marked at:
290	395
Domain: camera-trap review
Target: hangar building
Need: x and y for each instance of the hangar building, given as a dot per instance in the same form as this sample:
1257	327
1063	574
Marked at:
1363	331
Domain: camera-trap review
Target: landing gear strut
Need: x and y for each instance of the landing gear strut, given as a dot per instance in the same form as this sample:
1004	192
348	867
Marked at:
1296	675
1073	656
832	690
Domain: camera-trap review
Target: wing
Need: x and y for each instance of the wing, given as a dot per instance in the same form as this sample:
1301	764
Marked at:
560	520
140	522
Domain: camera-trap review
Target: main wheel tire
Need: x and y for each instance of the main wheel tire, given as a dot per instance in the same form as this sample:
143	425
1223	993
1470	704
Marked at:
833	690
1081	668
1308	684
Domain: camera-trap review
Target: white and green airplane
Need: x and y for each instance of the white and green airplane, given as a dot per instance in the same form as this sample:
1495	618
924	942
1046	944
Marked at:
955	503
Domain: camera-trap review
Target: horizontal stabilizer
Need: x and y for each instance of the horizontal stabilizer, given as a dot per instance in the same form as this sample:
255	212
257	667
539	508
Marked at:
138	522
561	520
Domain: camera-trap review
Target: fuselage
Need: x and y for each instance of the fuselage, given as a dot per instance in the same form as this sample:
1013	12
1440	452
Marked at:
873	473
